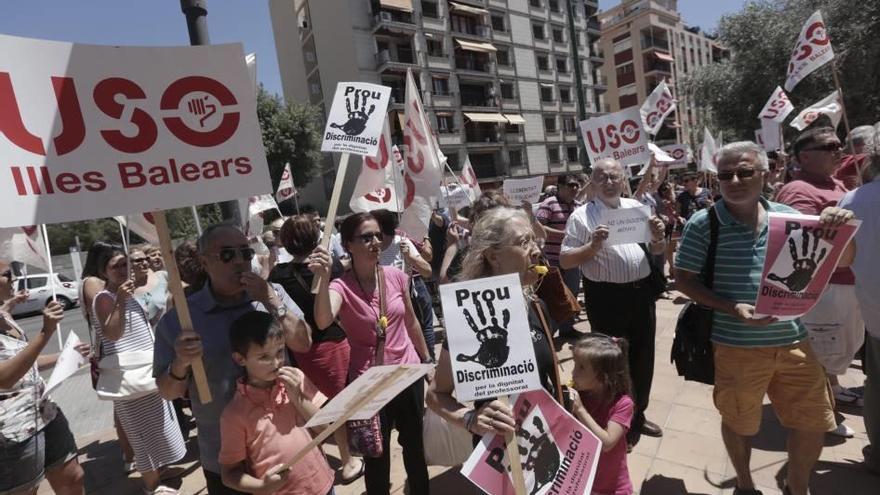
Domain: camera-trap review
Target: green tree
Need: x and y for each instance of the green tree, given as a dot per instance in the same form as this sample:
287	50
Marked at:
291	133
761	38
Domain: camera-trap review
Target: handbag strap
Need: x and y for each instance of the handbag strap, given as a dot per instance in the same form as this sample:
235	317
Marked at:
709	267
382	323
549	335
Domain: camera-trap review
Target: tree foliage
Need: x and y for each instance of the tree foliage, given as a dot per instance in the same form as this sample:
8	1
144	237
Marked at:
761	38
291	133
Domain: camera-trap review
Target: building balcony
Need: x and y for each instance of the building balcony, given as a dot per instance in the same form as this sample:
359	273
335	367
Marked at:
474	65
394	20
593	24
658	66
481	32
649	43
482	135
601	82
400	60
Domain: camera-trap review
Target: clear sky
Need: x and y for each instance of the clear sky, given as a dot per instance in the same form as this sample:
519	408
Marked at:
160	22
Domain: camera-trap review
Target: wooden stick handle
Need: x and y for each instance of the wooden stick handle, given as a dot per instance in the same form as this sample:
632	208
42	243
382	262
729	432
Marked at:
176	287
331	212
375	389
519	482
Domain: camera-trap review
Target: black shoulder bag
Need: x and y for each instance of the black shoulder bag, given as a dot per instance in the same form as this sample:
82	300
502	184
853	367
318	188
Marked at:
692	346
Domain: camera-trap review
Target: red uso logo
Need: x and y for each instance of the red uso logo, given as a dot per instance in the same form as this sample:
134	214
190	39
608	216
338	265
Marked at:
661	108
809	117
776	106
678	153
628	132
202	97
382	161
381	196
815	35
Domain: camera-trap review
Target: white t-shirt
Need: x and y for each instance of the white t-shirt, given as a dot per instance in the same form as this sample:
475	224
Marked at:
392	256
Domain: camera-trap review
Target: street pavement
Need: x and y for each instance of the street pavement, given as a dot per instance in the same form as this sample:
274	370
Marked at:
688	459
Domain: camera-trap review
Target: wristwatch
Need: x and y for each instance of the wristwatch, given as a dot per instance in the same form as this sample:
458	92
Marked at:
279	311
178	378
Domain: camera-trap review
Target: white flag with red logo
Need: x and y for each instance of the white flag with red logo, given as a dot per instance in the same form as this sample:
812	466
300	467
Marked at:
617	135
679	154
375	188
469	179
141	224
777	108
830	106
25	245
769	136
707	153
813	50
657	107
286	189
424	165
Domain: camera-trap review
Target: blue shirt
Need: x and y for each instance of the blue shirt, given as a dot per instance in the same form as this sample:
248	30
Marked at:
211	321
739	264
865	203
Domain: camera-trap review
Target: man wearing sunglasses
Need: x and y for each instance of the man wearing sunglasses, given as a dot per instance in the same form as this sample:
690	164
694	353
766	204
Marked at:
232	290
754	355
835	324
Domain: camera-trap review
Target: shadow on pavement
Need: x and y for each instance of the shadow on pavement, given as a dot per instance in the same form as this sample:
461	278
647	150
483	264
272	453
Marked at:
661	485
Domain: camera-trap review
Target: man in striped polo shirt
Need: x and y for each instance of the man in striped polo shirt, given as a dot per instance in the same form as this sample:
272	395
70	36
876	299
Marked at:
552	214
753	355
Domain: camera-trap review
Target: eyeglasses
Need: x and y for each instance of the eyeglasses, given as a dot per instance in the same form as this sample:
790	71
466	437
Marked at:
369	236
742	174
226	255
829	147
602	178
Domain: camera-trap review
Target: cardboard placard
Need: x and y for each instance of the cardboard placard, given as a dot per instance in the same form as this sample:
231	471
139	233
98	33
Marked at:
627	225
455	196
679	153
802	254
354	124
617	135
69	362
561	453
490	342
519	190
92	131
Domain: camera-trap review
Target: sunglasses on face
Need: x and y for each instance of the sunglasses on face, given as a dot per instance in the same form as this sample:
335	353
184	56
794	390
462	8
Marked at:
741	174
369	236
226	255
830	147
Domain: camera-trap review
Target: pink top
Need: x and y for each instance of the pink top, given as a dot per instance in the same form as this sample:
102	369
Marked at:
262	428
810	194
360	312
612	475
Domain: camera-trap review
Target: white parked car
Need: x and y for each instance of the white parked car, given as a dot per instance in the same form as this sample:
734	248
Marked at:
39	292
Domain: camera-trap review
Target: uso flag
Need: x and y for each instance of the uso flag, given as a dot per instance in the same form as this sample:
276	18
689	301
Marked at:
657	107
813	50
777	107
617	135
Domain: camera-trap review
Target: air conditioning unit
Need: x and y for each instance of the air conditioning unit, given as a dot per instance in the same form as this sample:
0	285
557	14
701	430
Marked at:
385	16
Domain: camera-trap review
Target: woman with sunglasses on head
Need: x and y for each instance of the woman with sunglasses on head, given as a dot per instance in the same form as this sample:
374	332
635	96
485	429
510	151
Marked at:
357	299
122	325
35	439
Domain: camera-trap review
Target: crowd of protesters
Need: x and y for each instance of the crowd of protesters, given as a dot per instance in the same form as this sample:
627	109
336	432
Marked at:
274	351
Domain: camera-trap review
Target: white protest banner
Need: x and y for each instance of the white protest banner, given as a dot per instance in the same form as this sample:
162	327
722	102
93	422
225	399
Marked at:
86	128
469	178
562	453
394	378
69	362
617	135
770	137
142	224
801	257
354	124
627	225
679	154
251	61
519	190
490	343
656	108
286	189
707	153
830	106
660	155
375	188
25	245
777	107
812	50
455	196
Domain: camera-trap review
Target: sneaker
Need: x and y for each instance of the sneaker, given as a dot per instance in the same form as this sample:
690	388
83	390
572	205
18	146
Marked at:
848	397
127	466
843	430
163	490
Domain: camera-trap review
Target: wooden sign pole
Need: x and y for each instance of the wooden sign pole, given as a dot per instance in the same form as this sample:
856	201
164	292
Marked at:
331	212
519	482
176	287
845	120
371	392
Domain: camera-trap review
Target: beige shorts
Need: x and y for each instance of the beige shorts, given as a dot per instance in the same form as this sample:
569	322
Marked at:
790	375
836	328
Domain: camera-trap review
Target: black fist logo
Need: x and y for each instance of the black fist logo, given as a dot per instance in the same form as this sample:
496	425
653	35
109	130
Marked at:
358	115
493	350
540	456
802	267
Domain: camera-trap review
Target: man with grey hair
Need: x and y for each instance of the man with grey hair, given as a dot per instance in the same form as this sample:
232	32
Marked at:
232	290
754	355
860	140
619	299
865	203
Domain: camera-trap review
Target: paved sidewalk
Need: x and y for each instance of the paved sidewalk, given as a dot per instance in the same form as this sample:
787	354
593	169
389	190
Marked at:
688	459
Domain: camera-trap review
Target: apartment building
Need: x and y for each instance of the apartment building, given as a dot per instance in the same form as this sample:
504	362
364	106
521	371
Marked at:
646	42
497	77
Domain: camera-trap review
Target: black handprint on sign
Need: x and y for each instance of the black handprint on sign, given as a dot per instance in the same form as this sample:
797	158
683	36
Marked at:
493	350
804	267
357	118
542	457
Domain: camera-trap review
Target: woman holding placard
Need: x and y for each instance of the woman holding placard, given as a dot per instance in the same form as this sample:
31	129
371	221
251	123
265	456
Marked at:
502	242
372	303
123	328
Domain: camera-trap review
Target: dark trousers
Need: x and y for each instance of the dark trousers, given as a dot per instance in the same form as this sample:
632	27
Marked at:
627	311
422	306
215	485
404	413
